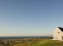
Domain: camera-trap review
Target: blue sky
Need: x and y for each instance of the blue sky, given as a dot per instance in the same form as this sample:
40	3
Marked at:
30	17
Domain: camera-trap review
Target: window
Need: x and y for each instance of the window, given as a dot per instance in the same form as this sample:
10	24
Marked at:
56	38
62	37
58	32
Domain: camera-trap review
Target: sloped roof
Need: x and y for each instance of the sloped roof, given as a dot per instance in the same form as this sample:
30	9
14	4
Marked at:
61	28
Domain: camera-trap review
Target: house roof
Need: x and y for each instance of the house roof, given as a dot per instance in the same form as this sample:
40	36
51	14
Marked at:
61	28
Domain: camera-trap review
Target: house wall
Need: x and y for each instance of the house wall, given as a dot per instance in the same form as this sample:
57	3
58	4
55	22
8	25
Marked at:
57	34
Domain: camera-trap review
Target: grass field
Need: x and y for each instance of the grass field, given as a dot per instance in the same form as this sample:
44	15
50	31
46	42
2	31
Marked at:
48	43
32	42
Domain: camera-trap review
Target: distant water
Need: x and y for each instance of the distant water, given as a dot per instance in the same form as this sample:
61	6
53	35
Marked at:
19	37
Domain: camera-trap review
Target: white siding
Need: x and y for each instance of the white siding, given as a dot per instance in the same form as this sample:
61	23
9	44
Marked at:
57	34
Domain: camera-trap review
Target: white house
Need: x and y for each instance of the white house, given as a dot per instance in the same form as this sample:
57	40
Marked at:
58	34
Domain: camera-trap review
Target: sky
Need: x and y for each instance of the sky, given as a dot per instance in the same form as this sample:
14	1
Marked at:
30	17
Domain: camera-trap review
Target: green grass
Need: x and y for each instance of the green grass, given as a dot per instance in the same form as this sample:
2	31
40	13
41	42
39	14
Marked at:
33	42
48	43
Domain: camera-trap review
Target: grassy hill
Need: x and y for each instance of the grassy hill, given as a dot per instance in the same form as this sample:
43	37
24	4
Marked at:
31	42
48	43
42	42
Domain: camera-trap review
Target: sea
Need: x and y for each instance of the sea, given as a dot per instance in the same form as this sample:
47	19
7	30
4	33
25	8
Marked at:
19	37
